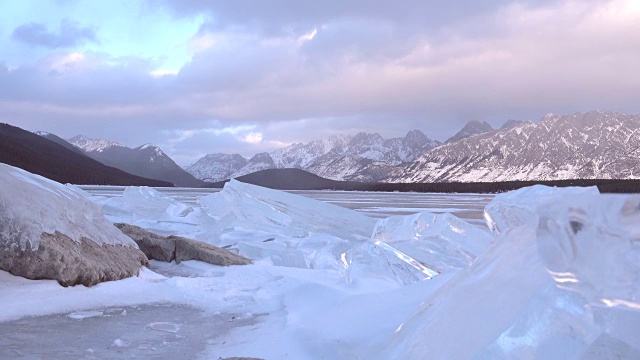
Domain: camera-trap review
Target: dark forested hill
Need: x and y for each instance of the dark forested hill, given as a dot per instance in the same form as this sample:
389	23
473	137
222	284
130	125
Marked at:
41	156
296	179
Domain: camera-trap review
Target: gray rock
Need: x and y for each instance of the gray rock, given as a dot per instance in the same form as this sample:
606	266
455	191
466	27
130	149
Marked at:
154	246
187	249
70	263
178	248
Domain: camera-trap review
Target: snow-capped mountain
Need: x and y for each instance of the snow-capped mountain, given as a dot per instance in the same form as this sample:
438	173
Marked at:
216	167
147	160
580	146
363	157
60	141
261	161
470	129
92	145
301	156
47	155
512	123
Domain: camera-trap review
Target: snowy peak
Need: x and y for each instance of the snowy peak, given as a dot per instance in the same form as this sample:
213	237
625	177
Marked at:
416	138
414	144
512	123
363	157
153	151
590	145
470	129
366	139
92	145
261	161
146	160
216	167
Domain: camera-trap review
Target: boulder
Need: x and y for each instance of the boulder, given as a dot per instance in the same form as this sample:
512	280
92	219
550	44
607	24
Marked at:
51	231
60	258
154	246
187	249
178	248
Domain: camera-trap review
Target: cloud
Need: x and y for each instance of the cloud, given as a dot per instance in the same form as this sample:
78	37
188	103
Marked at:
340	70
279	17
70	34
252	138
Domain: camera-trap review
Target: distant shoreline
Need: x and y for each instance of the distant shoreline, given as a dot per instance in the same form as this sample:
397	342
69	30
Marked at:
293	179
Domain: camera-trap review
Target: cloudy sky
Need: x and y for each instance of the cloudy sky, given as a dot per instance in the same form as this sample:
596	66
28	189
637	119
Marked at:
246	76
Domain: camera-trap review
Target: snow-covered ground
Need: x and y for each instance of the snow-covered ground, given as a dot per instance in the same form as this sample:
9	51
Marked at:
556	277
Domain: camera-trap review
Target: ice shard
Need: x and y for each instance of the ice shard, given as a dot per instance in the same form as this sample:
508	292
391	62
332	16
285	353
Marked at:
254	207
440	242
561	282
518	207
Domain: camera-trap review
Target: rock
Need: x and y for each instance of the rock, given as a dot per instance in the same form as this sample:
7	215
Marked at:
187	249
50	231
178	248
154	246
60	258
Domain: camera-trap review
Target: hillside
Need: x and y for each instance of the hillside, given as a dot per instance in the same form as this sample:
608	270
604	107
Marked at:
147	160
41	156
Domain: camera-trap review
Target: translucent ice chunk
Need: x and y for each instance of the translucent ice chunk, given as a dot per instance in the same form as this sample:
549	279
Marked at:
31	204
263	209
288	230
379	260
440	242
149	208
474	308
591	244
561	285
521	206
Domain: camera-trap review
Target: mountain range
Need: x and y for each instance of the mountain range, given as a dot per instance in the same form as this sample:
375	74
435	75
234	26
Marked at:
363	157
586	145
590	145
147	160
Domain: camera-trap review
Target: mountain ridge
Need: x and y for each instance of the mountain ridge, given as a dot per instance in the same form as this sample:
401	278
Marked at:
39	155
145	160
586	145
362	157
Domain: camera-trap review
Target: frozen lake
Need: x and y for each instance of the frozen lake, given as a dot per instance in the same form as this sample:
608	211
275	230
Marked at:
350	282
375	204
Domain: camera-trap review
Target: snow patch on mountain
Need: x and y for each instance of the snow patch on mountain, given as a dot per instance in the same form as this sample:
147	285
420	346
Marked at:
92	145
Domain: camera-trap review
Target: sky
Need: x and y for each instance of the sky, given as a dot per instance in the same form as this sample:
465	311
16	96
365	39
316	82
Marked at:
246	76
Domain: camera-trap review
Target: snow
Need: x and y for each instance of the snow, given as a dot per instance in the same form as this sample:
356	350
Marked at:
556	279
26	204
92	145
